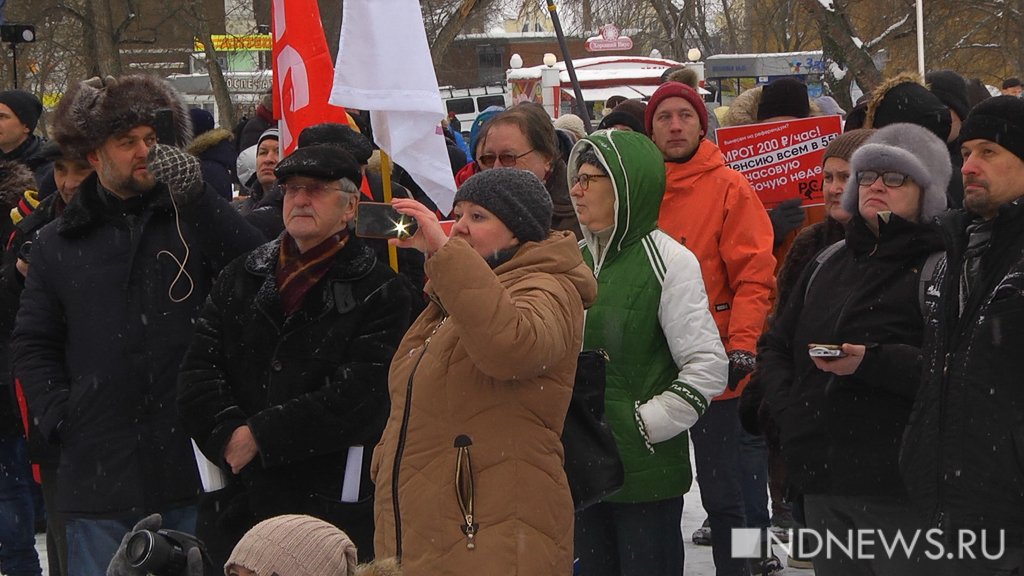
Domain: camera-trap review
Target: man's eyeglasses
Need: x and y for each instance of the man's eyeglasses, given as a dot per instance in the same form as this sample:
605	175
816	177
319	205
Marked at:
584	179
313	189
507	159
890	179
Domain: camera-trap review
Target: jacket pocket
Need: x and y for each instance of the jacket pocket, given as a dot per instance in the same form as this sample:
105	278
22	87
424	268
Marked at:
465	488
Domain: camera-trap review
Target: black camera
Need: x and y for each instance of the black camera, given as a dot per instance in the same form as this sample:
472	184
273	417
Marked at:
162	553
25	251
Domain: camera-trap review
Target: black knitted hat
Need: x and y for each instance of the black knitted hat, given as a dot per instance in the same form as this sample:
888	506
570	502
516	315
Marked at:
904	98
951	89
1000	120
784	97
25	106
517	197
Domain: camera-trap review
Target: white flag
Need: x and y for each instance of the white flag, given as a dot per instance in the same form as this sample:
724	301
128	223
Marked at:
384	67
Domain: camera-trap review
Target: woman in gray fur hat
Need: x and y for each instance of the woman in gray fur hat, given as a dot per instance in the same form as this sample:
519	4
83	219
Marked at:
841	417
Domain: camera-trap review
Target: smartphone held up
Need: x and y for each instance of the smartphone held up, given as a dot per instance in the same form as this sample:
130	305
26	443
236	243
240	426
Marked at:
381	220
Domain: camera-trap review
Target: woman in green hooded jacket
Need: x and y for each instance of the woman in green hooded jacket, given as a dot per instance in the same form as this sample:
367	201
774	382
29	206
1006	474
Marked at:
666	359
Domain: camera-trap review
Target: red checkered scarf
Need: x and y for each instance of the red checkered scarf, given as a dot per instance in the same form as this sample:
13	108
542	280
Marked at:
297	272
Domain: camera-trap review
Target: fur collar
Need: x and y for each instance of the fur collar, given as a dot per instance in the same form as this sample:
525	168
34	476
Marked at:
208	140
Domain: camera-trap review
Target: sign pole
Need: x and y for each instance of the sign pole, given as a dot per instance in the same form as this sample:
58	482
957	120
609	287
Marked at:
581	106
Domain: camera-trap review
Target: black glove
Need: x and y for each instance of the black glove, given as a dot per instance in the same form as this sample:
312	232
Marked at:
741	363
119	565
750	406
179	170
786	217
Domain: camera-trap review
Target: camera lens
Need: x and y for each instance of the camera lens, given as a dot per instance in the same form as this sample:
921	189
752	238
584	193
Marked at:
159	553
139	548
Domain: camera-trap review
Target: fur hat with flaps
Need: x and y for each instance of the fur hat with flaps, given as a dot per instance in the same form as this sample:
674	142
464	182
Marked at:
904	98
99	108
15	179
908	149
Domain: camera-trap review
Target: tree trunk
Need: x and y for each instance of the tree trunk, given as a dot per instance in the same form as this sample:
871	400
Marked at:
108	60
731	27
225	108
451	29
670	18
837	36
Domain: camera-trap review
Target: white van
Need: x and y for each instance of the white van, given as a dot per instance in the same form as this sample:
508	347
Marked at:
467	103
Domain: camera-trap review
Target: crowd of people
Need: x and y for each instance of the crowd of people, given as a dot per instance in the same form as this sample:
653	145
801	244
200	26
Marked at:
253	372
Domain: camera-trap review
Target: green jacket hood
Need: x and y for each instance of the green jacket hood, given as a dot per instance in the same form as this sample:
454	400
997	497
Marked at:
638	190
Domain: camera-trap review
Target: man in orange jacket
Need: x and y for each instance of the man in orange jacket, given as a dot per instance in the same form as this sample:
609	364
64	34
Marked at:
712	209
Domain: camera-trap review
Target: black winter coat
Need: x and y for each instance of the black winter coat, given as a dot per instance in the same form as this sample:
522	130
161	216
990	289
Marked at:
30	153
840	434
98	340
11	285
753	408
216	152
309	385
963	454
255	127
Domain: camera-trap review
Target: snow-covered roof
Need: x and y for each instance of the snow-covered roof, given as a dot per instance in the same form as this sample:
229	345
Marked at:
498	35
602	67
756	55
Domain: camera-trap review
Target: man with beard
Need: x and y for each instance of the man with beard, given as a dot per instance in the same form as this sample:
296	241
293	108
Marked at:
110	301
962	450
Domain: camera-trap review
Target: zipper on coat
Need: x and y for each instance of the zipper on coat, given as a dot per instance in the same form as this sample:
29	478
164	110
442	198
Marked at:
951	285
465	489
400	448
940	488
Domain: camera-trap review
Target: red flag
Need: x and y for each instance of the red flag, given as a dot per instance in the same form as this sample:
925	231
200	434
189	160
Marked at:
303	71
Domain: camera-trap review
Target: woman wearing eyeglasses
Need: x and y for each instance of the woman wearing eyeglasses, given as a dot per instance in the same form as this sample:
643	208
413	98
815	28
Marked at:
841	416
523	137
666	359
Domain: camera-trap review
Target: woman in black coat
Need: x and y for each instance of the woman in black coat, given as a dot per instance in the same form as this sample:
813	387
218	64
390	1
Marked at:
840	419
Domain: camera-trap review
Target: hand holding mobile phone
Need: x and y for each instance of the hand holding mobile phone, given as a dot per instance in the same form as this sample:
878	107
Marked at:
163	125
825	351
381	220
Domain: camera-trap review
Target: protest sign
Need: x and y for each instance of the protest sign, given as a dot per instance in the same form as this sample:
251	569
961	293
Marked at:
781	160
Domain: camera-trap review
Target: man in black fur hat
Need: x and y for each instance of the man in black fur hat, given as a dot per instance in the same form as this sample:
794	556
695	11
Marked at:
109	305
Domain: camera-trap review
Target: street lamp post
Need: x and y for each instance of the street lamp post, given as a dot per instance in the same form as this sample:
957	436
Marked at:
16	34
550	84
